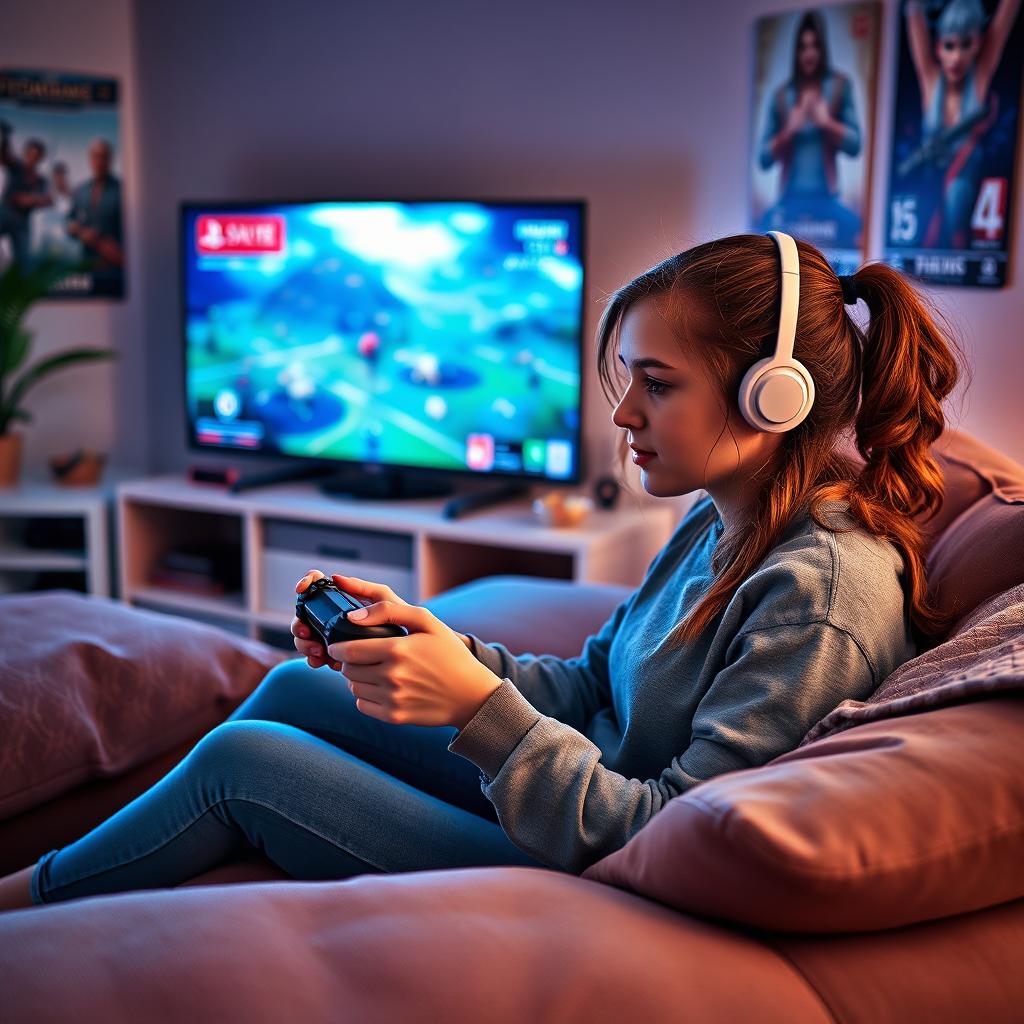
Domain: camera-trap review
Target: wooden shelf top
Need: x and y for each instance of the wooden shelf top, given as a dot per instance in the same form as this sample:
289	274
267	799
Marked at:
510	524
42	495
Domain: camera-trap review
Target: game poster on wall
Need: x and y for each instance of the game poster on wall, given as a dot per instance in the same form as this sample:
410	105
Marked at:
954	139
61	193
812	126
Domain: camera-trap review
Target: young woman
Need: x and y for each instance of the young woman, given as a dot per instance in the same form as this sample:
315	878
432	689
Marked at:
796	582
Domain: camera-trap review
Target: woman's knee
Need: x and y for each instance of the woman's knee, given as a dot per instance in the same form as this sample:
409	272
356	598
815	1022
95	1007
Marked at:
230	743
245	754
286	685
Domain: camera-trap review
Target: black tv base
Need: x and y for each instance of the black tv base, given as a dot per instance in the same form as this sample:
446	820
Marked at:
390	485
385	484
278	476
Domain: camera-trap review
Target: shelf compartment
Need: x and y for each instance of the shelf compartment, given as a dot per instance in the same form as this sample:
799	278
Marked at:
228	606
209	617
149	532
447	563
290	548
13	580
12	557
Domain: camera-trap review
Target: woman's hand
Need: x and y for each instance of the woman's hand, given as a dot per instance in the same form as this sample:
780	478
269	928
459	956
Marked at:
313	650
429	677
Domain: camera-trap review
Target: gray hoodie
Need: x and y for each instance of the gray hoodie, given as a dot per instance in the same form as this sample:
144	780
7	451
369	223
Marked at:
577	754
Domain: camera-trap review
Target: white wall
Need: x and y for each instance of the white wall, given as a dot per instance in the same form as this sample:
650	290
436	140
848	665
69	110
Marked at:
642	109
95	405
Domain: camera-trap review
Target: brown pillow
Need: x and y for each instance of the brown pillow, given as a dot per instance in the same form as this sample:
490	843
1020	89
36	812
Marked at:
973	543
978	553
886	824
90	687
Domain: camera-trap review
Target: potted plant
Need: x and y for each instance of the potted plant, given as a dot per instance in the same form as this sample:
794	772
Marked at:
19	291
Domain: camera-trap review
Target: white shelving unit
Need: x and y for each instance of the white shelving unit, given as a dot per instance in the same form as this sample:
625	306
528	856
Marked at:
34	503
277	533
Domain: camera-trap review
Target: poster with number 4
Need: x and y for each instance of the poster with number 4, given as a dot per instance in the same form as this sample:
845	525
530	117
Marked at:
951	179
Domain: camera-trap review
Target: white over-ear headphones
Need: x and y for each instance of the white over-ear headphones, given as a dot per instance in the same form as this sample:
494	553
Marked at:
777	393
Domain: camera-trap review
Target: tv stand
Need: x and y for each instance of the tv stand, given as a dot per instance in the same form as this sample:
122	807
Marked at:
277	534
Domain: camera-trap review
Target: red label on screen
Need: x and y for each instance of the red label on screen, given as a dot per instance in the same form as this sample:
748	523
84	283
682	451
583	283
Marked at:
480	451
239	235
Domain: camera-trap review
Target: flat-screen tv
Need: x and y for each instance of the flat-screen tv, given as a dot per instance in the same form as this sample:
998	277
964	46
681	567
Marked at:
442	336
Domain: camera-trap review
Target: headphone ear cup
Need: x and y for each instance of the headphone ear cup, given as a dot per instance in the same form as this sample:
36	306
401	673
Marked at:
745	397
776	397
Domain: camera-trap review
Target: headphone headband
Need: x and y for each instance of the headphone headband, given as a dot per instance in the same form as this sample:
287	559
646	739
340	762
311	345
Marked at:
789	302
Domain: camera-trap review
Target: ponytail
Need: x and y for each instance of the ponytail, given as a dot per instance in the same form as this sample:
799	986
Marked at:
908	369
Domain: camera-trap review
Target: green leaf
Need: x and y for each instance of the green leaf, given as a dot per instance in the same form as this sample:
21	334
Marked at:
15	350
19	290
41	369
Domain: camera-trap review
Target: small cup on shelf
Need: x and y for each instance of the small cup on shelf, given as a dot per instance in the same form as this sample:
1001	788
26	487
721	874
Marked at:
561	510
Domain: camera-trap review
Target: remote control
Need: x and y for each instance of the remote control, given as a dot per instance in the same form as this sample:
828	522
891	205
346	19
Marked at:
324	607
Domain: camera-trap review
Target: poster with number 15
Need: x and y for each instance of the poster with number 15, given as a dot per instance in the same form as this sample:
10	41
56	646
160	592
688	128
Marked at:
951	181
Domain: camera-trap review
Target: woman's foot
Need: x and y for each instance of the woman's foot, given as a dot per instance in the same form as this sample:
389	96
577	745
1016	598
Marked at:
14	890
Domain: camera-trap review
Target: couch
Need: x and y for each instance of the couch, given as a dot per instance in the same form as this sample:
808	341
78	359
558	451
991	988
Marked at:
875	873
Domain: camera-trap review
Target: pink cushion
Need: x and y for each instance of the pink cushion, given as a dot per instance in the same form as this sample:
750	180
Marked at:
90	687
503	945
978	553
975	539
889	823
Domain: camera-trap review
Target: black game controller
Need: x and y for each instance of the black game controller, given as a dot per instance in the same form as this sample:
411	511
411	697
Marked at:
324	608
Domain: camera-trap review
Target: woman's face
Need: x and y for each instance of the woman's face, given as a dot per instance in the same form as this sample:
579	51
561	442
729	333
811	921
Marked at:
674	410
956	54
808	53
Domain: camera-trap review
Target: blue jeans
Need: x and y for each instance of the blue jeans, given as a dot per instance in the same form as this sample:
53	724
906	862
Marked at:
299	772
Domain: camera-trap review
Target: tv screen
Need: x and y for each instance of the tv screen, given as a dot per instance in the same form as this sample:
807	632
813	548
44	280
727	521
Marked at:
431	335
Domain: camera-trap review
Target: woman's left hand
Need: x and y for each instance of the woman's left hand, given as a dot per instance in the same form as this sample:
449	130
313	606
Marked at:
426	678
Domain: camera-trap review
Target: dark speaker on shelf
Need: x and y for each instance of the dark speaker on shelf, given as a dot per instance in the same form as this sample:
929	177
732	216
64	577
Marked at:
606	491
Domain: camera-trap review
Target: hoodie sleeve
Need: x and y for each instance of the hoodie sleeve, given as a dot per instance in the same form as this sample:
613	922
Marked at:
558	803
569	689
